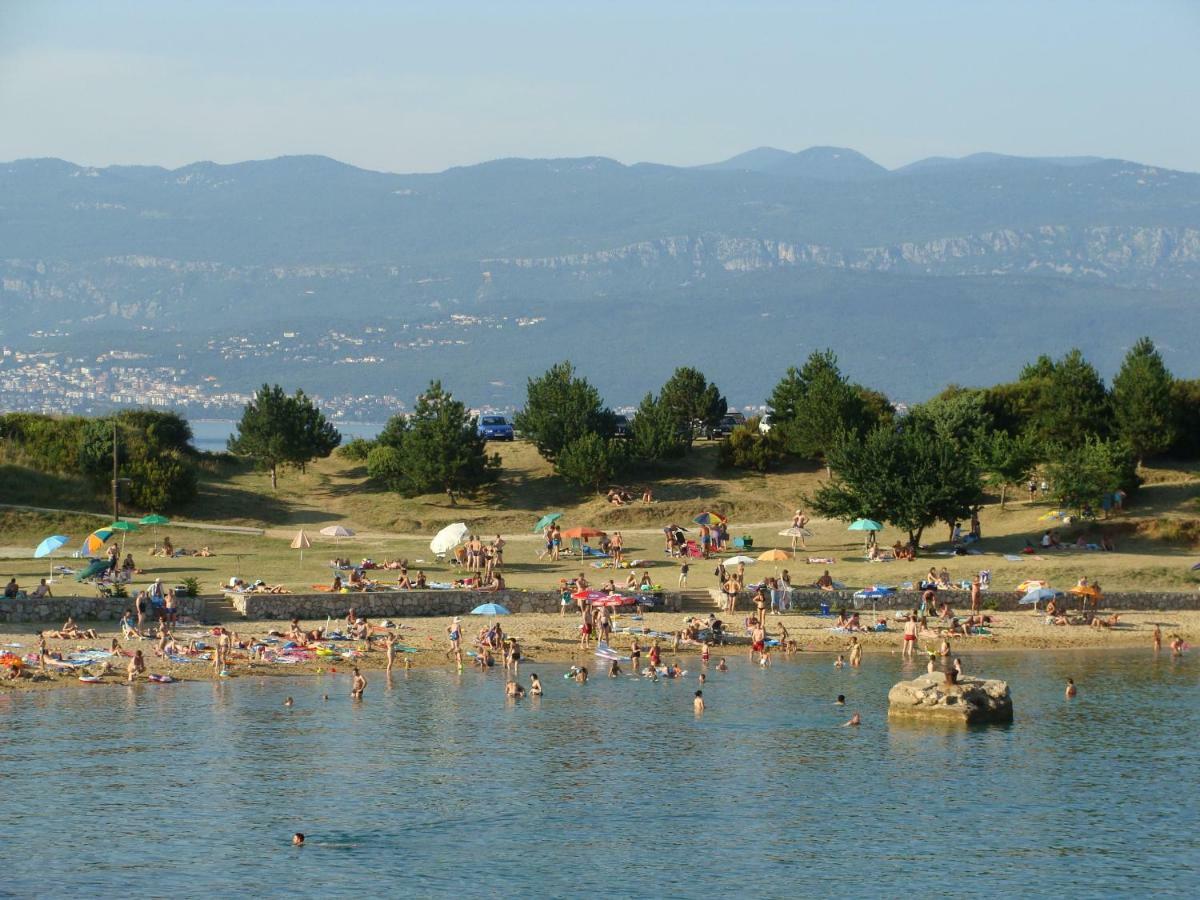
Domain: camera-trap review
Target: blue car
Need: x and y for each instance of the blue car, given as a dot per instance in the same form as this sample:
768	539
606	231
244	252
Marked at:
495	428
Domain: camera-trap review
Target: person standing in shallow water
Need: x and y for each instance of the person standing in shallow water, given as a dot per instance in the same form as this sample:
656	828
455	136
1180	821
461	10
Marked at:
358	685
1071	689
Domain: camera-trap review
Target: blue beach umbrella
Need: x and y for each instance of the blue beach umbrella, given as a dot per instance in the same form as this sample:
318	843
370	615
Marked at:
874	593
49	545
865	525
1037	595
490	609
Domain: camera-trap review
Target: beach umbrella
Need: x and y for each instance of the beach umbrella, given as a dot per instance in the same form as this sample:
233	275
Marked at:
154	519
1032	584
490	609
582	532
337	532
125	528
94	542
547	519
95	567
774	556
48	546
865	525
301	542
449	538
795	531
1085	590
739	560
1037	595
710	518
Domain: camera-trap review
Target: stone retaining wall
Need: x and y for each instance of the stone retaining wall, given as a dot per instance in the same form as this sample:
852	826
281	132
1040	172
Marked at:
92	609
997	600
402	604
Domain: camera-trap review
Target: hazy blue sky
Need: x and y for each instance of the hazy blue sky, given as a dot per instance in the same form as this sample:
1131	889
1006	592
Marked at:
417	87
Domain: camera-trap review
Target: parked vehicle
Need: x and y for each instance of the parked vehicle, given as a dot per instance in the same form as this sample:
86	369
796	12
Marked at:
621	426
495	428
764	424
725	426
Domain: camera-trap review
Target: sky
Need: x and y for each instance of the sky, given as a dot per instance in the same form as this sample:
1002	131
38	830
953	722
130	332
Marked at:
414	87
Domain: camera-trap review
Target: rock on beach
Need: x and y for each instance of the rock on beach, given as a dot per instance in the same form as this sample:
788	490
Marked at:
971	701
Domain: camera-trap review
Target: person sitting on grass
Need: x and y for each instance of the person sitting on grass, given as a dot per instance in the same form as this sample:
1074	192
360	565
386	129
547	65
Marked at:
42	590
825	582
422	582
12	590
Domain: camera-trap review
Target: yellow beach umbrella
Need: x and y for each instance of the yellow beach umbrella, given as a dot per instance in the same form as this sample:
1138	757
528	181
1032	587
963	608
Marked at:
774	556
301	542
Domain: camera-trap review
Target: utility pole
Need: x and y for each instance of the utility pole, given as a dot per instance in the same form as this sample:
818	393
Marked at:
116	502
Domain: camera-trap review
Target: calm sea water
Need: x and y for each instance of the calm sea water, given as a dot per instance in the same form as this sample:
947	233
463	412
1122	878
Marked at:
212	434
436	786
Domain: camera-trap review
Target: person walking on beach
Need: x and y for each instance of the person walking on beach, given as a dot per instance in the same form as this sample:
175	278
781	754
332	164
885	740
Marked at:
683	574
758	641
976	596
585	628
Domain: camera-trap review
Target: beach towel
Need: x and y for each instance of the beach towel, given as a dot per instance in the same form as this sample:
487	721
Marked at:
1011	557
821	561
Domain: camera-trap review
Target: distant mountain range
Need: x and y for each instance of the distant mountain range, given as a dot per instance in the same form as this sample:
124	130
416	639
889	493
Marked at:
945	269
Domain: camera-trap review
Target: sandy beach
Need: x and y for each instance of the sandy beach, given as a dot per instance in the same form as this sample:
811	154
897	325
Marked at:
554	638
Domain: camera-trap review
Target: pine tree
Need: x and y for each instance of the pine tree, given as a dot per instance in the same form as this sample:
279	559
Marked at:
560	409
1141	399
442	450
691	400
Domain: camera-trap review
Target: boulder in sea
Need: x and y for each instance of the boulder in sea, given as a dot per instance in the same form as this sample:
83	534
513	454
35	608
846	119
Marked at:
972	701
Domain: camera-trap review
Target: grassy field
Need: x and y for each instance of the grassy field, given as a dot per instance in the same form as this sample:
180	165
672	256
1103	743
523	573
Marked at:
1157	538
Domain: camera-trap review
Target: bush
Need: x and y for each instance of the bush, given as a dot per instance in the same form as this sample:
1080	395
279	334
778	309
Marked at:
748	448
191	586
590	461
356	450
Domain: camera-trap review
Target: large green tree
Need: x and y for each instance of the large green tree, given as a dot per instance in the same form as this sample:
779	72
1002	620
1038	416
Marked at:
590	461
901	477
1082	474
278	430
1070	402
812	406
654	434
559	409
691	400
1141	400
439	450
1005	459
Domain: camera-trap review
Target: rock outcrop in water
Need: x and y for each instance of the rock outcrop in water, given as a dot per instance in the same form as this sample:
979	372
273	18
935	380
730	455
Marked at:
970	701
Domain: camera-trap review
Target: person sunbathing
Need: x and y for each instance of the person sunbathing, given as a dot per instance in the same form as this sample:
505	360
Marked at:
404	583
615	499
825	582
1111	622
70	631
422	582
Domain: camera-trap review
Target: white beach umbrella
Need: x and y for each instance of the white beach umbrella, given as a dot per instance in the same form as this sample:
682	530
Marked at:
449	538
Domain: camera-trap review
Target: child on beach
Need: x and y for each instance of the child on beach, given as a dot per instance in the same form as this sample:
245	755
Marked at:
721	667
358	685
535	686
840	662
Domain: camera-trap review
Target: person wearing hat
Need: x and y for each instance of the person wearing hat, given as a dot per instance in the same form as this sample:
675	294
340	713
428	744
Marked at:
454	631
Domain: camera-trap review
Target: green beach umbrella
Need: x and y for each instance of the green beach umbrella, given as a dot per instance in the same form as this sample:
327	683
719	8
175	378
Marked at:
865	525
154	519
125	528
547	519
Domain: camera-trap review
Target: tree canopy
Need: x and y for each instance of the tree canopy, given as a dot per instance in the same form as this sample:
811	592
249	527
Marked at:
901	477
438	448
278	430
1141	399
812	406
689	399
559	409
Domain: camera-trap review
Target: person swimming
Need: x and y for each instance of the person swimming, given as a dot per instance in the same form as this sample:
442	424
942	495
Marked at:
840	701
298	839
288	702
855	720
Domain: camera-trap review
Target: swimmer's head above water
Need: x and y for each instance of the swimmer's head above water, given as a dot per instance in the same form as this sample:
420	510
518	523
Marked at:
298	839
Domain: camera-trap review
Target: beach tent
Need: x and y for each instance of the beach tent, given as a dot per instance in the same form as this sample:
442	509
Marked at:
449	538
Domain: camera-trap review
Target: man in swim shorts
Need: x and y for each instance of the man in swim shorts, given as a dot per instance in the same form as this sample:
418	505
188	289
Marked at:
910	637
